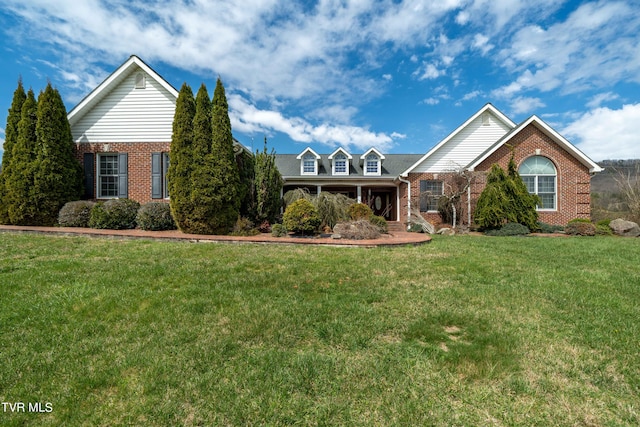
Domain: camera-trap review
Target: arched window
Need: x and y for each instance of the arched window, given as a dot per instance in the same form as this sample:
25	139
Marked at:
140	81
309	164
372	164
340	164
539	175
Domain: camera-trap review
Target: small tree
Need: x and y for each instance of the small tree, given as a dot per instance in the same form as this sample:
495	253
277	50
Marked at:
11	137
17	196
506	199
268	185
180	166
301	217
57	173
225	181
629	186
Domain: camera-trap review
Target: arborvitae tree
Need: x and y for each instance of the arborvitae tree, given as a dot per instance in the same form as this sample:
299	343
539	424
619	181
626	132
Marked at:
506	199
226	178
11	136
268	185
57	173
524	203
203	200
19	182
180	165
246	189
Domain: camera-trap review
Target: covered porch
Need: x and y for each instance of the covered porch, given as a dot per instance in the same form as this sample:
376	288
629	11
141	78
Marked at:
381	197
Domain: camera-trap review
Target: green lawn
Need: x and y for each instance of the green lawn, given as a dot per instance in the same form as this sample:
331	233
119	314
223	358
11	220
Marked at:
464	331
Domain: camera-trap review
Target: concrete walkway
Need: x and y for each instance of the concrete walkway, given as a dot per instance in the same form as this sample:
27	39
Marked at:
392	239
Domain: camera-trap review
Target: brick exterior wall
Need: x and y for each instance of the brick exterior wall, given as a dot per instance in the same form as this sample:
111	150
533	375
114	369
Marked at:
573	178
139	164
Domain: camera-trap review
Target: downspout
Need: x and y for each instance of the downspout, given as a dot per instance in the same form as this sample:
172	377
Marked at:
469	206
408	198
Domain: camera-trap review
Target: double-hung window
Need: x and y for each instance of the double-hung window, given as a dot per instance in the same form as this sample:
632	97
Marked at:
309	164
372	164
112	175
430	192
340	164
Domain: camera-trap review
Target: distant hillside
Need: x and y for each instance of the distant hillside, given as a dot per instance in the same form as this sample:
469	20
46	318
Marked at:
605	182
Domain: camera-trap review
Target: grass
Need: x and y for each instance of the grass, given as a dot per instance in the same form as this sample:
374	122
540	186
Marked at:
463	331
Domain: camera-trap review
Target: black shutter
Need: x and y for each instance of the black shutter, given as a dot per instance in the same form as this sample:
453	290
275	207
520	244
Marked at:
156	175
89	184
123	190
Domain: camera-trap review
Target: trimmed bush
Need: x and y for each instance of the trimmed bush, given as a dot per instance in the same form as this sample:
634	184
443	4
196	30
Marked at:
510	229
301	217
155	216
360	211
114	214
357	230
278	230
379	222
580	228
244	227
548	228
75	214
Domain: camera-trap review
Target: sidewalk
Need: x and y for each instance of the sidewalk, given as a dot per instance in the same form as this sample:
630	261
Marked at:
392	239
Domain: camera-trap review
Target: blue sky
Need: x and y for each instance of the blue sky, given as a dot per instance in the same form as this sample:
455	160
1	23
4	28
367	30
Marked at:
397	75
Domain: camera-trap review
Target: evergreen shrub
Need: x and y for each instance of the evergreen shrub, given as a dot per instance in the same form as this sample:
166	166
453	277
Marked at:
360	211
155	216
580	227
114	214
76	214
509	229
244	227
278	230
379	222
301	217
603	228
549	228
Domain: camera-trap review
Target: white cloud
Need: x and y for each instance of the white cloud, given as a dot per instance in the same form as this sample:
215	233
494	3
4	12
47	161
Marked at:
429	72
481	42
431	101
601	98
249	119
594	46
604	133
387	77
523	105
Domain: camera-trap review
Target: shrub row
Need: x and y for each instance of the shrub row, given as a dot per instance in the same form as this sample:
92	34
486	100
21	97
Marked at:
117	214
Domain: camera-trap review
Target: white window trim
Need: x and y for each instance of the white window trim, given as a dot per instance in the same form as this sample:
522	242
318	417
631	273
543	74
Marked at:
99	176
535	184
340	152
308	152
365	167
437	195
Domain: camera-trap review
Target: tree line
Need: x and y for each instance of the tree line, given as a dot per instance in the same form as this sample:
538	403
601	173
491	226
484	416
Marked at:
212	179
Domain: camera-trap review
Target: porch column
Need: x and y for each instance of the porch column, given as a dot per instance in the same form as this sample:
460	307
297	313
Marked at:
359	193
319	189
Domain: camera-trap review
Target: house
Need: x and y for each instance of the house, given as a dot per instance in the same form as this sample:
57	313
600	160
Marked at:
122	131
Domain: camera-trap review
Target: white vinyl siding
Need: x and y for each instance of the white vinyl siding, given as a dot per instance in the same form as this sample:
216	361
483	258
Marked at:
465	146
129	114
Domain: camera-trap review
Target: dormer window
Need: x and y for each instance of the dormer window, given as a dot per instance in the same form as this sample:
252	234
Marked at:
309	164
140	81
309	160
340	162
371	162
372	165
